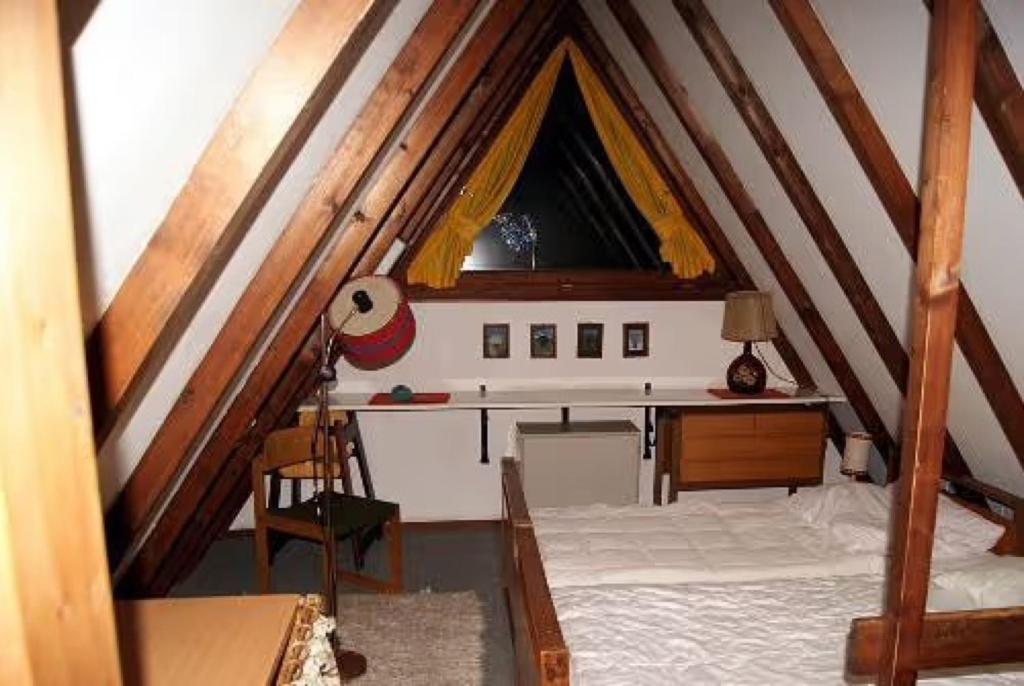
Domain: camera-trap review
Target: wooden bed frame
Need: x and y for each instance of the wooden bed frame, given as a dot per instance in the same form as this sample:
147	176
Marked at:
542	657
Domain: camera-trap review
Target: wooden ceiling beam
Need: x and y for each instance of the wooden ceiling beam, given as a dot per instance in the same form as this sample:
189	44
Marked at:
755	224
57	618
668	165
795	183
209	522
946	159
328	198
341	257
239	169
470	129
897	196
1000	99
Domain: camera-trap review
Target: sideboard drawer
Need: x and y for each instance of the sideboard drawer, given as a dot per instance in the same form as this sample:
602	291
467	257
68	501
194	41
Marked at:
748	447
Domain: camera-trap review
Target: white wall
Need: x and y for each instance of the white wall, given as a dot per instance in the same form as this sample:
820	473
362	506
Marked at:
429	462
122	221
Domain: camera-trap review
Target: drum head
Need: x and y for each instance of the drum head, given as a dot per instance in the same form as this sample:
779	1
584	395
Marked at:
385	296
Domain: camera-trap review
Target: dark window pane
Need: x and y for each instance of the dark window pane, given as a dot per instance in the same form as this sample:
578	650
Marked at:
568	210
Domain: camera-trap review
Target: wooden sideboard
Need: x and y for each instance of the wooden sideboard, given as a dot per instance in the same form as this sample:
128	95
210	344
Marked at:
748	446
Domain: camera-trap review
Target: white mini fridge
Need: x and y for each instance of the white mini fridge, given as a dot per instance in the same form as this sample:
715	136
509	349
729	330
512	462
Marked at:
579	463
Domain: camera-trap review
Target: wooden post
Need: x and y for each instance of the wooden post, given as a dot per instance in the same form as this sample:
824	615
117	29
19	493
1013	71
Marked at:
56	616
946	144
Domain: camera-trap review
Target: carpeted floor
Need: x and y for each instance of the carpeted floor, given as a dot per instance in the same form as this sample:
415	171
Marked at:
449	628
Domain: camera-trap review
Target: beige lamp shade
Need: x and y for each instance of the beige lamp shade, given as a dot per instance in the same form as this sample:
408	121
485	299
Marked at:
748	317
856	453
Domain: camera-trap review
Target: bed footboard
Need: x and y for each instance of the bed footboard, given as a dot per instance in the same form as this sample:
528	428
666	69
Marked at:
541	655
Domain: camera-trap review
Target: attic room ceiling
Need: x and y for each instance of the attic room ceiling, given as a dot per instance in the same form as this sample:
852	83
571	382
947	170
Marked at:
741	168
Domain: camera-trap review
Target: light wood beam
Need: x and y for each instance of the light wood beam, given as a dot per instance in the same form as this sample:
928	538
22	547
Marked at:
1000	98
352	239
795	183
250	151
57	620
755	224
947	135
948	640
897	196
328	199
469	132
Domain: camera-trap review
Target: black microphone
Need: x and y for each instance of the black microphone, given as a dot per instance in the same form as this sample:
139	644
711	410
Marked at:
361	299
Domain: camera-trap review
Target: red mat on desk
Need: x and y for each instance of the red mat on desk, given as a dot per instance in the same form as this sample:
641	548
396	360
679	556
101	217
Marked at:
417	399
726	394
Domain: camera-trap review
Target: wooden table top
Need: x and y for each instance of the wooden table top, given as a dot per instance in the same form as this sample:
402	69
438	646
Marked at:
223	640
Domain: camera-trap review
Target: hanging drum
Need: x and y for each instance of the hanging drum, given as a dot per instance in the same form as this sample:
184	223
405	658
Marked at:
374	321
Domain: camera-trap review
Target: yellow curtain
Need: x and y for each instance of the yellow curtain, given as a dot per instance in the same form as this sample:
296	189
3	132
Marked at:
439	262
681	247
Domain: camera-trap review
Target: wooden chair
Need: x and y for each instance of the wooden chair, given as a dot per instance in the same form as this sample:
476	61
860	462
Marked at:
362	519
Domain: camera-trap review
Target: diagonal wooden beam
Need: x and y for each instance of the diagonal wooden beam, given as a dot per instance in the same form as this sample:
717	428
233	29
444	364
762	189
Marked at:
210	521
947	136
471	130
795	183
248	154
341	257
893	188
328	198
53	569
668	165
755	224
1000	99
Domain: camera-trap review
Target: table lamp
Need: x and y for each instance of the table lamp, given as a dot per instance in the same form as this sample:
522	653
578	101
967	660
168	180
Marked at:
855	455
748	317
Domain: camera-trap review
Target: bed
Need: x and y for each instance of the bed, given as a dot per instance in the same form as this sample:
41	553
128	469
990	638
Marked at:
750	594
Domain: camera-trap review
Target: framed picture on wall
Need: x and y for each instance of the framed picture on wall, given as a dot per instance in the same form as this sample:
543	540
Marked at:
636	339
589	340
496	341
543	341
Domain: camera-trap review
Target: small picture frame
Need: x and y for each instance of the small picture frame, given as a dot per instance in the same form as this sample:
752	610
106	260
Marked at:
496	341
589	340
543	341
636	339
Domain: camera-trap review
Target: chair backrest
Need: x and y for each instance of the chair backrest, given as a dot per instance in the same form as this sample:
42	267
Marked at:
287	447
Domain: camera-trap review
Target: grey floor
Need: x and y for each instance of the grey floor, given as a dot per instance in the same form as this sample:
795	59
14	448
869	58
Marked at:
434	560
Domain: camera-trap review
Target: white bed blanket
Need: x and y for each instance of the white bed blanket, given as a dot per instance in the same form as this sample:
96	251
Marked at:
690	541
763	633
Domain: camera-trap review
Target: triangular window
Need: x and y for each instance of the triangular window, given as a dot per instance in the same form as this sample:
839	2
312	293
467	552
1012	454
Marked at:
568	209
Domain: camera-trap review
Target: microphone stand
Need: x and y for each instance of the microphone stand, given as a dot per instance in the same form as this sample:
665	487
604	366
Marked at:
350	663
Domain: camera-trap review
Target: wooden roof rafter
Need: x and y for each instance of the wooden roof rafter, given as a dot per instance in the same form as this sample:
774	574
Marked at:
755	224
462	84
218	506
328	199
248	154
897	196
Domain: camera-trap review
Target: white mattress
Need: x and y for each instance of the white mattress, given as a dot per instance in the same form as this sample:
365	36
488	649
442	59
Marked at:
758	633
691	541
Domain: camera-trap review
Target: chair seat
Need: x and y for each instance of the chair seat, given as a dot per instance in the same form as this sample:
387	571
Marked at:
349	513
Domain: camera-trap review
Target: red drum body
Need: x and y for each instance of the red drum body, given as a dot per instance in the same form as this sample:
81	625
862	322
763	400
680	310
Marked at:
376	325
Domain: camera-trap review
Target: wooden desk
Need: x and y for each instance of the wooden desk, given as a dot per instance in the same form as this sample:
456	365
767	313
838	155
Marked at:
224	640
568	398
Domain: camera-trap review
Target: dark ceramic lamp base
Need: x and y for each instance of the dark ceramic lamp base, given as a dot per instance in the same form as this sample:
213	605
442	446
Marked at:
746	374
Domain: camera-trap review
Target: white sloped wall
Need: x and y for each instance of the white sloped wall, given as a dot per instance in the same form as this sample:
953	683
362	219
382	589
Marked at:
147	58
884	44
